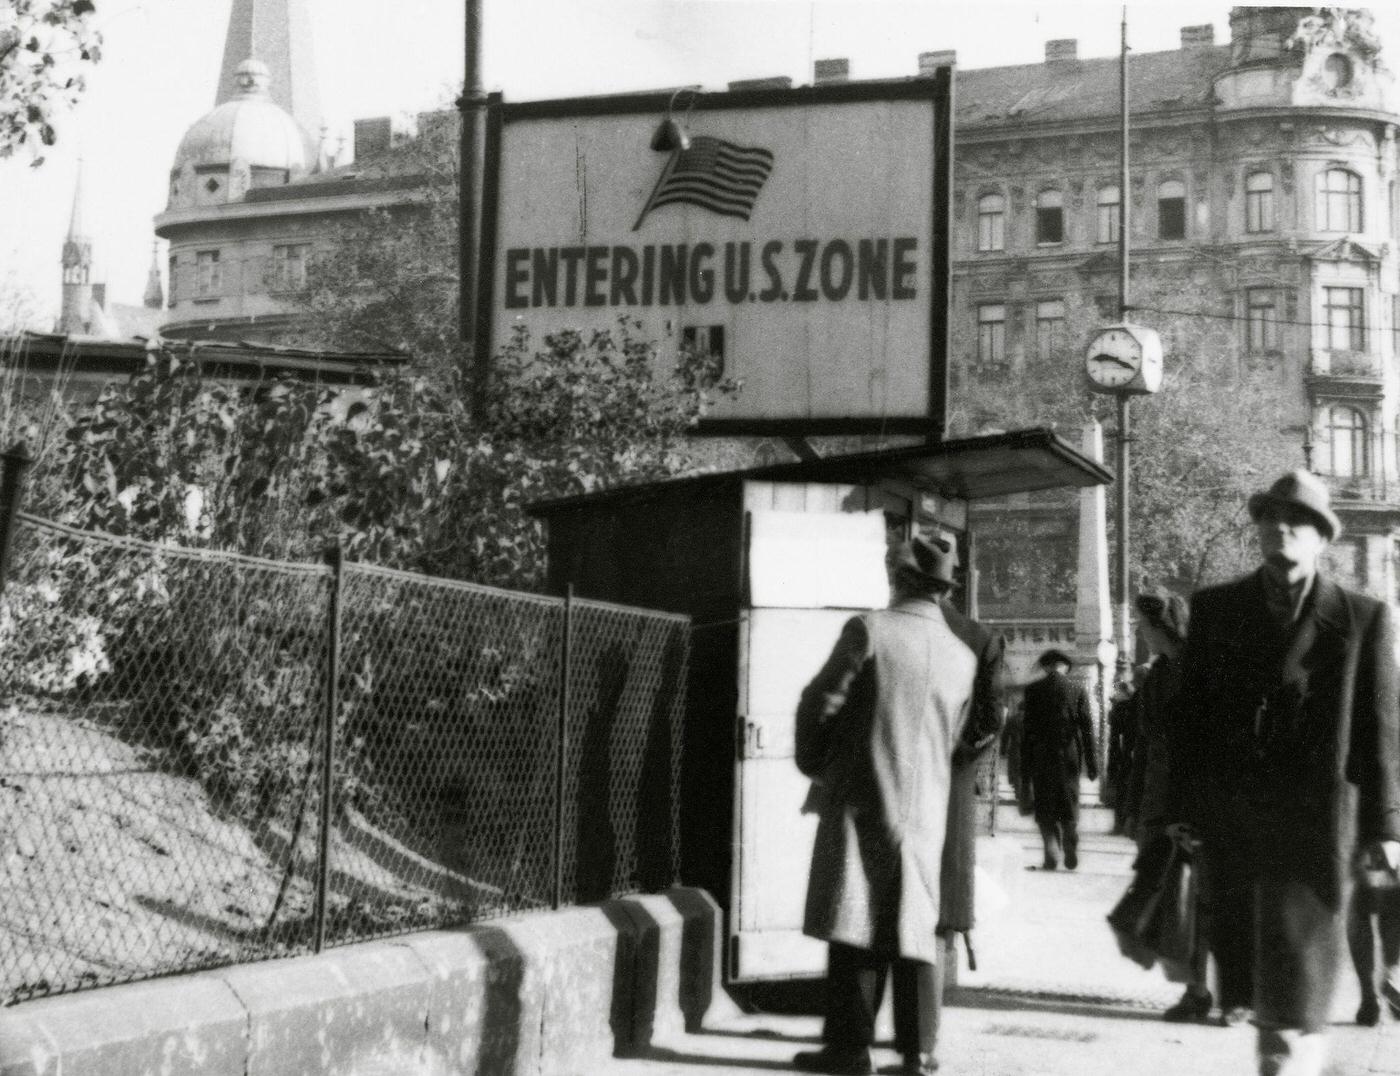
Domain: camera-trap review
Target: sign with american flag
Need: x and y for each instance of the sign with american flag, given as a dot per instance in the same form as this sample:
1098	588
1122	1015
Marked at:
799	235
712	173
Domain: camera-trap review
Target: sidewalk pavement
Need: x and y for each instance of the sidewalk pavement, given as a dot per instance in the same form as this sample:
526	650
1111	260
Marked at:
1051	996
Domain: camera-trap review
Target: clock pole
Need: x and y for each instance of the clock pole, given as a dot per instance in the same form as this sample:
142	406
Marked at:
1125	655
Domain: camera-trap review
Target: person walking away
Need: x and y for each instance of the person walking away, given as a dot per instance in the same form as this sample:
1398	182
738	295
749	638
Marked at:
1162	621
1375	911
1289	757
1122	733
905	691
1057	745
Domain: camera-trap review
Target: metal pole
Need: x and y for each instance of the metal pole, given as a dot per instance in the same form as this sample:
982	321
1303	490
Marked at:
1125	656
473	372
562	758
335	557
17	460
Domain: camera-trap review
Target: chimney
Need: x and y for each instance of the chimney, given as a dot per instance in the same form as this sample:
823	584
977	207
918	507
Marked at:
929	62
372	137
1061	49
828	71
1198	37
771	82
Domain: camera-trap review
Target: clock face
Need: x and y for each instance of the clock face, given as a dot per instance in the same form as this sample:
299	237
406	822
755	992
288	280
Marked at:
1113	359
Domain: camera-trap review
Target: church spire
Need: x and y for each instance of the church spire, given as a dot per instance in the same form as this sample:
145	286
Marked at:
75	315
155	293
278	33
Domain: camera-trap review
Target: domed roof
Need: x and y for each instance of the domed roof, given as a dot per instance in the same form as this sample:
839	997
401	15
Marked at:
248	128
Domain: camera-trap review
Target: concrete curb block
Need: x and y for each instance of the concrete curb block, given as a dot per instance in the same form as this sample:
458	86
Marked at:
545	994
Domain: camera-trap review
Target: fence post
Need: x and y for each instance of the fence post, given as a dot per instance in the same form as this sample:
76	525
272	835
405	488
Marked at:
562	758
335	557
17	460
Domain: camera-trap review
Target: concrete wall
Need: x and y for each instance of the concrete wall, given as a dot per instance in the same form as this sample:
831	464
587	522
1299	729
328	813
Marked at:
550	993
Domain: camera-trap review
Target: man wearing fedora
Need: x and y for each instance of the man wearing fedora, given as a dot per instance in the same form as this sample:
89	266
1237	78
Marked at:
1288	761
1057	745
907	692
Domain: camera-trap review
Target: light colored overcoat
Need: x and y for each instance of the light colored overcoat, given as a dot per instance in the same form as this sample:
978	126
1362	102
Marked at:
876	730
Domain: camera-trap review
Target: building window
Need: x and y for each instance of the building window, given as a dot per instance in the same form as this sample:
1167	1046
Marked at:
1107	220
208	274
1107	306
1346	437
289	266
1171	210
1049	328
991	222
991	332
1338	201
1259	202
170	268
1049	217
1261	319
1345	309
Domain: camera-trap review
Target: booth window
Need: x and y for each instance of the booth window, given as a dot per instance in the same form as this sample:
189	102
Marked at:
991	332
1345	428
1171	210
1259	202
1049	328
1338	201
991	222
1049	218
208	274
1346	319
1261	319
1106	221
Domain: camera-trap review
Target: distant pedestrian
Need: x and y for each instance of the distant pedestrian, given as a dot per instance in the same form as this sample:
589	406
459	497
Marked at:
1375	912
1290	755
1162	623
905	691
1057	746
1122	733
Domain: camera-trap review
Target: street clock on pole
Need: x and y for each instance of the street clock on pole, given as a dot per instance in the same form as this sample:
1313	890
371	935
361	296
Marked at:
1124	360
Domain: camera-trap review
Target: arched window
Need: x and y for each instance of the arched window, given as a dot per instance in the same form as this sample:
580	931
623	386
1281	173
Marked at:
1339	201
1049	217
1106	221
1171	210
1346	438
1259	202
991	222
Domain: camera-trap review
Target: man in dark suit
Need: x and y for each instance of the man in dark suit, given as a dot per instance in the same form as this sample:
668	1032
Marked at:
906	692
1057	745
1288	756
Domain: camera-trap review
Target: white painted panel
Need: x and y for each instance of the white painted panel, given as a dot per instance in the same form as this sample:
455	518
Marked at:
778	954
817	560
775	847
785	649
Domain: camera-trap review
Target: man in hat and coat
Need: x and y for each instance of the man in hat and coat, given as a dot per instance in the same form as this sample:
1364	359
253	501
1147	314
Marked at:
1287	762
905	692
1057	745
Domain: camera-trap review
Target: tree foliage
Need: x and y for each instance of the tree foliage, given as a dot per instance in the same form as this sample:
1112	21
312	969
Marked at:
45	48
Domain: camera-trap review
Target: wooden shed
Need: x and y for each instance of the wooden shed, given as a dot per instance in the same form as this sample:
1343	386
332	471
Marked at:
769	563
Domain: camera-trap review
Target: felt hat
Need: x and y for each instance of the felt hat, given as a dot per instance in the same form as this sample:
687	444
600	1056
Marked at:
1165	611
1053	657
928	561
1300	489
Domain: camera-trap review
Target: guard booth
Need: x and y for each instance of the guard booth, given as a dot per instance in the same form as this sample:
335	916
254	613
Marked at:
769	563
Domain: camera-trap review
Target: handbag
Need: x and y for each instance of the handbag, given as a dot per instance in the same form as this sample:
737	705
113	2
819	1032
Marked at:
1157	921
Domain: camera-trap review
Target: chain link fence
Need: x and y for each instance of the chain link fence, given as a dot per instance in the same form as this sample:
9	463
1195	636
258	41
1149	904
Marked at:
207	758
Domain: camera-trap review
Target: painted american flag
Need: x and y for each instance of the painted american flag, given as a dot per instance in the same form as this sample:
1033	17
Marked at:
713	174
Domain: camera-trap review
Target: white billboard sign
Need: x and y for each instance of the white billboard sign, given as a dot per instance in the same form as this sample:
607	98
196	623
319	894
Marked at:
799	234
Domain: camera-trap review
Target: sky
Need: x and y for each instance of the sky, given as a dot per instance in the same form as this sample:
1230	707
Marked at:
375	58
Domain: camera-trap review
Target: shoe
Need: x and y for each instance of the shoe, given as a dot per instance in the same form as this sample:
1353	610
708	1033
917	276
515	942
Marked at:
1235	1015
1071	861
1391	992
1191	1009
913	1065
1049	865
834	1062
1369	1014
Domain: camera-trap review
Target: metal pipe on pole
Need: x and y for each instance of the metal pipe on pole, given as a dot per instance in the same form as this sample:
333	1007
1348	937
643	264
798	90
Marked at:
474	368
1125	657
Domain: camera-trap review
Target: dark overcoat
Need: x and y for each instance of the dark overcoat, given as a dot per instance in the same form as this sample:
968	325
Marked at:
1289	753
904	690
1057	745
